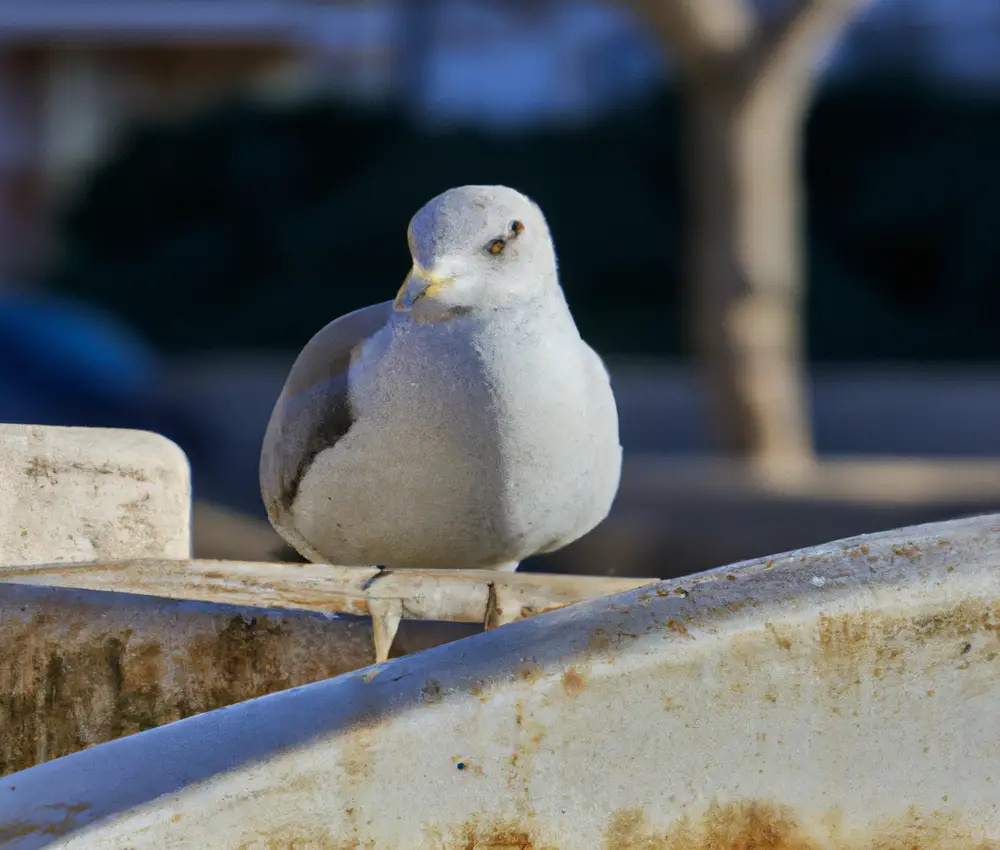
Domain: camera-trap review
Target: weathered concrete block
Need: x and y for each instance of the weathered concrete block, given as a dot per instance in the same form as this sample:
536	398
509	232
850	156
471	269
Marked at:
91	494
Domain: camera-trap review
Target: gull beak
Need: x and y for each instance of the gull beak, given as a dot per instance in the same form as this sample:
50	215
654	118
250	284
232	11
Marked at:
419	283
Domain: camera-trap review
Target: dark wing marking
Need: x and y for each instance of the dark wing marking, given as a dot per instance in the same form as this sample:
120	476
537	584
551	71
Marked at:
314	410
327	406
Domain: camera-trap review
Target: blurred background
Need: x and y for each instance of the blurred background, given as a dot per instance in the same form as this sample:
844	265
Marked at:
778	220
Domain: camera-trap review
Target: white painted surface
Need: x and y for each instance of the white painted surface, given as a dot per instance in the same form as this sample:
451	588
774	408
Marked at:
91	494
844	696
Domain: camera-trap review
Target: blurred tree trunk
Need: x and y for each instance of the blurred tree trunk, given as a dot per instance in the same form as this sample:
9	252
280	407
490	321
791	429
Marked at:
746	80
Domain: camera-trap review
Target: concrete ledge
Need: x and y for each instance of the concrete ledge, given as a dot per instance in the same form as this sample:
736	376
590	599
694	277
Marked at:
91	494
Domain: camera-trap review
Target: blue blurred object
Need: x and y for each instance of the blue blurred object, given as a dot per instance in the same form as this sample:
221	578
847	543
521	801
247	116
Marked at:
65	363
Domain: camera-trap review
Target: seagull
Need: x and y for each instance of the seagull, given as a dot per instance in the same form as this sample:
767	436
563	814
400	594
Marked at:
463	425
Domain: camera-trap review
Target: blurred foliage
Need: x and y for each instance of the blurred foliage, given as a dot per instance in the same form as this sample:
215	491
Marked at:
252	226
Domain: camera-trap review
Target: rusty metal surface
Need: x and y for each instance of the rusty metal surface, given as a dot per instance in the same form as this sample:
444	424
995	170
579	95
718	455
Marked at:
81	667
836	698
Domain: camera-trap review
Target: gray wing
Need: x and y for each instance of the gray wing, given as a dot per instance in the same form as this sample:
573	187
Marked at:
314	410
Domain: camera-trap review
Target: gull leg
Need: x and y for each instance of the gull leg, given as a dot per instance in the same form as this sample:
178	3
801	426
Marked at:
386	615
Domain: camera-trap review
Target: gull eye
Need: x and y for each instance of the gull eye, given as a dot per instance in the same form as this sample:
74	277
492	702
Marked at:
497	246
517	227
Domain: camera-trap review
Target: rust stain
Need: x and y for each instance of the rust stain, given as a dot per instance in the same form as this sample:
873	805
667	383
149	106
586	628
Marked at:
909	551
782	641
534	610
295	835
746	826
573	681
357	760
299	838
529	736
498	836
671	704
758	825
848	642
678	627
467	767
739	605
530	673
73	676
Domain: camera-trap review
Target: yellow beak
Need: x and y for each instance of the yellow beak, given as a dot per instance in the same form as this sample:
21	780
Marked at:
419	283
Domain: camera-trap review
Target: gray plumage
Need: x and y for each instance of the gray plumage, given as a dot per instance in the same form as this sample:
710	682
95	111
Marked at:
465	425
